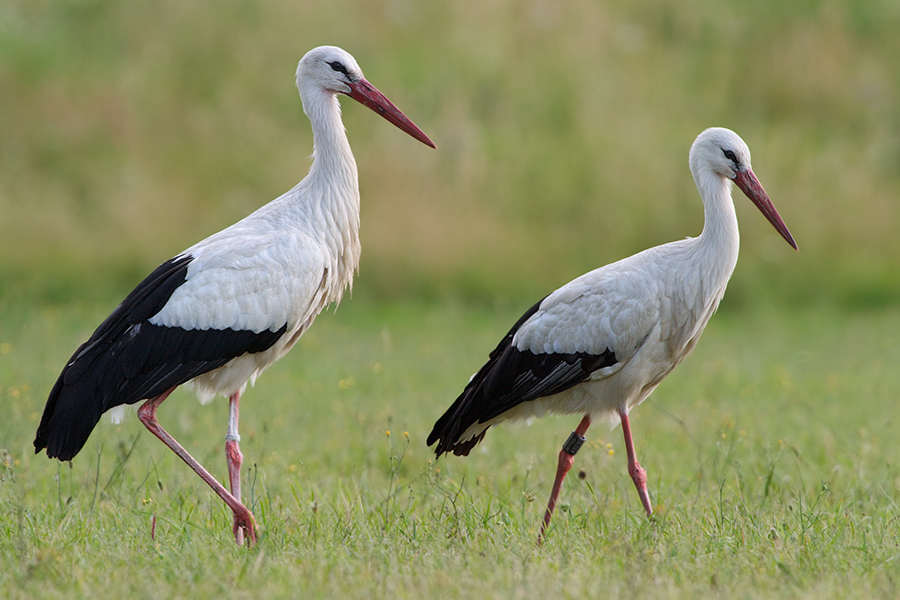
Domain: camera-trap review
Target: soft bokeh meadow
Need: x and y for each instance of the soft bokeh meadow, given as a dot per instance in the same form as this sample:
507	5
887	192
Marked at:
131	131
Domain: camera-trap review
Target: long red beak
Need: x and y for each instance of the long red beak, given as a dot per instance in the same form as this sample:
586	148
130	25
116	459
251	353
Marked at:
366	94
751	186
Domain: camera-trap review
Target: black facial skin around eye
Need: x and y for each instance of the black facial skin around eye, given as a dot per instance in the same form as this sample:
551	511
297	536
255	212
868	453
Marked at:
730	155
337	66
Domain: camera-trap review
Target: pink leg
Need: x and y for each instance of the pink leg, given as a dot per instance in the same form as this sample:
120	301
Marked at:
243	519
566	459
637	472
234	458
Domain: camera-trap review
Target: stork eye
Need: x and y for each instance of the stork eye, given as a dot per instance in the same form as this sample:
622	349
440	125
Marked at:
730	155
339	67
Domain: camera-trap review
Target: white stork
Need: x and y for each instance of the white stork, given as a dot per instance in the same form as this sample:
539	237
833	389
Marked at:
218	314
599	345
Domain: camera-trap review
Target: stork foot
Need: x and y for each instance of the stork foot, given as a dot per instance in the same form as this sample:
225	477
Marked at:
639	477
637	472
244	528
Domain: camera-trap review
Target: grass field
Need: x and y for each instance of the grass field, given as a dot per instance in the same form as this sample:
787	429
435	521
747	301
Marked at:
128	131
770	452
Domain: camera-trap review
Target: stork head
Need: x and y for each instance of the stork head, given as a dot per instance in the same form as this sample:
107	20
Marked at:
331	70
720	152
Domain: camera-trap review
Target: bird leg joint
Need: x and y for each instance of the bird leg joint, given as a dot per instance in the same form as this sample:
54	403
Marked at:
232	437
573	444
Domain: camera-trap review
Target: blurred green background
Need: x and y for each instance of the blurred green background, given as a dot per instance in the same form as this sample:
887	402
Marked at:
128	131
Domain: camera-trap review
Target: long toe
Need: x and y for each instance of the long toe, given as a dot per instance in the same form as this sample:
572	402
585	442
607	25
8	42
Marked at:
639	476
244	528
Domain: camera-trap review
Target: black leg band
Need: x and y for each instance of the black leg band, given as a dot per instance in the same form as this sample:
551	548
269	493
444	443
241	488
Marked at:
573	444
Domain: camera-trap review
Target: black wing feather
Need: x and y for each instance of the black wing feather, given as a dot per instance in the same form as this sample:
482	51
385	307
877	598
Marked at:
129	359
510	377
